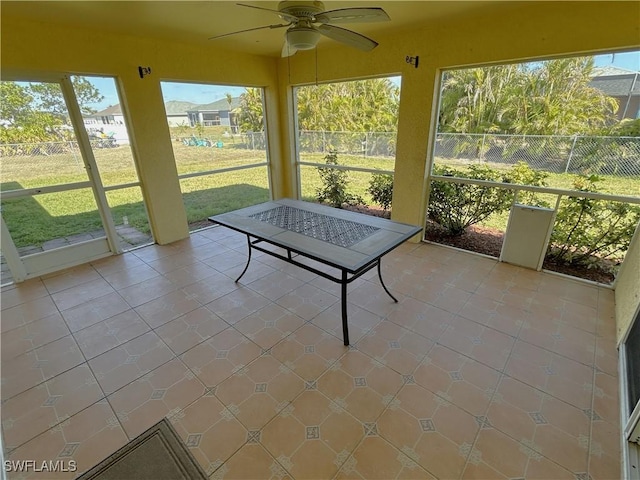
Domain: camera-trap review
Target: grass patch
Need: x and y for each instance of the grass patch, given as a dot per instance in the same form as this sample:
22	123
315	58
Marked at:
35	220
214	194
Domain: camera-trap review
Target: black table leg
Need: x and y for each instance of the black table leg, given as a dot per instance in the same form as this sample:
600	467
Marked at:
383	285
345	328
248	259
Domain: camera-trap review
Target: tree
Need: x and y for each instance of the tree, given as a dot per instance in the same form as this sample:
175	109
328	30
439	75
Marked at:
16	104
20	120
547	98
35	112
250	112
49	96
558	100
474	100
359	106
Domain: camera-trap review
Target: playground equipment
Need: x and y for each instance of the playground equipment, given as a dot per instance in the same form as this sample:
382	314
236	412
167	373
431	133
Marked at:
194	141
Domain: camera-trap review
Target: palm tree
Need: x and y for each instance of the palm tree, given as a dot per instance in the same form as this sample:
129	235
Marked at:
546	98
250	113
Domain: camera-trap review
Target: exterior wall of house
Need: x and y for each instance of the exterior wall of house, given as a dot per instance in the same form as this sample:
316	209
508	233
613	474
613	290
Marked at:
627	288
630	107
175	120
225	118
32	48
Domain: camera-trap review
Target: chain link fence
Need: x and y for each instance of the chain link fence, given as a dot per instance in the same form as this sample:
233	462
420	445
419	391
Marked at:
557	154
585	155
244	141
38	149
366	144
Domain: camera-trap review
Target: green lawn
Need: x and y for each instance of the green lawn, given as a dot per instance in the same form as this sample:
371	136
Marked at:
34	220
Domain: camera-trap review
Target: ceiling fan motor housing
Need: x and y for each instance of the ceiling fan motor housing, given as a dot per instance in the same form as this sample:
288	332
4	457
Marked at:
301	9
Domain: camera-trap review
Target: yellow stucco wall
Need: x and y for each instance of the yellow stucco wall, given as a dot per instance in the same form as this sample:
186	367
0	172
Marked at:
495	32
627	288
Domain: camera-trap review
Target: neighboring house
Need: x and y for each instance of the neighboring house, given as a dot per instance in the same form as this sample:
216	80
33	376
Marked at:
219	112
623	85
108	122
109	116
177	112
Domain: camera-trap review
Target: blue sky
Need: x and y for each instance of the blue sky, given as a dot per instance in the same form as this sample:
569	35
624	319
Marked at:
203	93
188	92
627	60
198	93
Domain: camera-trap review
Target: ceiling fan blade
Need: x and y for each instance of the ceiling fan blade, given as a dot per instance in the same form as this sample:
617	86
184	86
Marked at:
353	15
282	25
288	50
348	37
285	16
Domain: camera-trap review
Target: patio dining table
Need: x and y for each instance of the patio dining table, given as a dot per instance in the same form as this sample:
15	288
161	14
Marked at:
351	242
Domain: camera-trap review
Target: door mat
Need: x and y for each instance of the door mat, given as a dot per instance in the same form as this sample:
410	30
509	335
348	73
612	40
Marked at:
156	454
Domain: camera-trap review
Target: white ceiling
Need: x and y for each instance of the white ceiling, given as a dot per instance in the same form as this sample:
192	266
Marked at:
196	21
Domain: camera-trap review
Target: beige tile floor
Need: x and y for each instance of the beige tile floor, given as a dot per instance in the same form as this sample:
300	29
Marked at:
482	370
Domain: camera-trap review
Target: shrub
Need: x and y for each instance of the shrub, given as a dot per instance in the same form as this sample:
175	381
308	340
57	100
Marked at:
334	185
587	229
381	189
457	206
522	174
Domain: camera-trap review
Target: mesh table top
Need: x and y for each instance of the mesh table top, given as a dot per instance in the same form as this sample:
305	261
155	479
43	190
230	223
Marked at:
336	231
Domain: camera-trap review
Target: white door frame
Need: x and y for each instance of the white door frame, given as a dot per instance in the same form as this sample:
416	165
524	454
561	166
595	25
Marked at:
629	415
41	263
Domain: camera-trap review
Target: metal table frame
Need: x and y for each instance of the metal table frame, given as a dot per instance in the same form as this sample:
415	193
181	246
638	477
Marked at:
347	275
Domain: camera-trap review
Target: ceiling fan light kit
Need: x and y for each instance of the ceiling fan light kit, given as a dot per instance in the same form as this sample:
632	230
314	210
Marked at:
302	38
308	22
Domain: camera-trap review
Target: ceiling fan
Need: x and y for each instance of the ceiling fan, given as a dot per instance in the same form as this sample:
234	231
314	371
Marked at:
308	21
